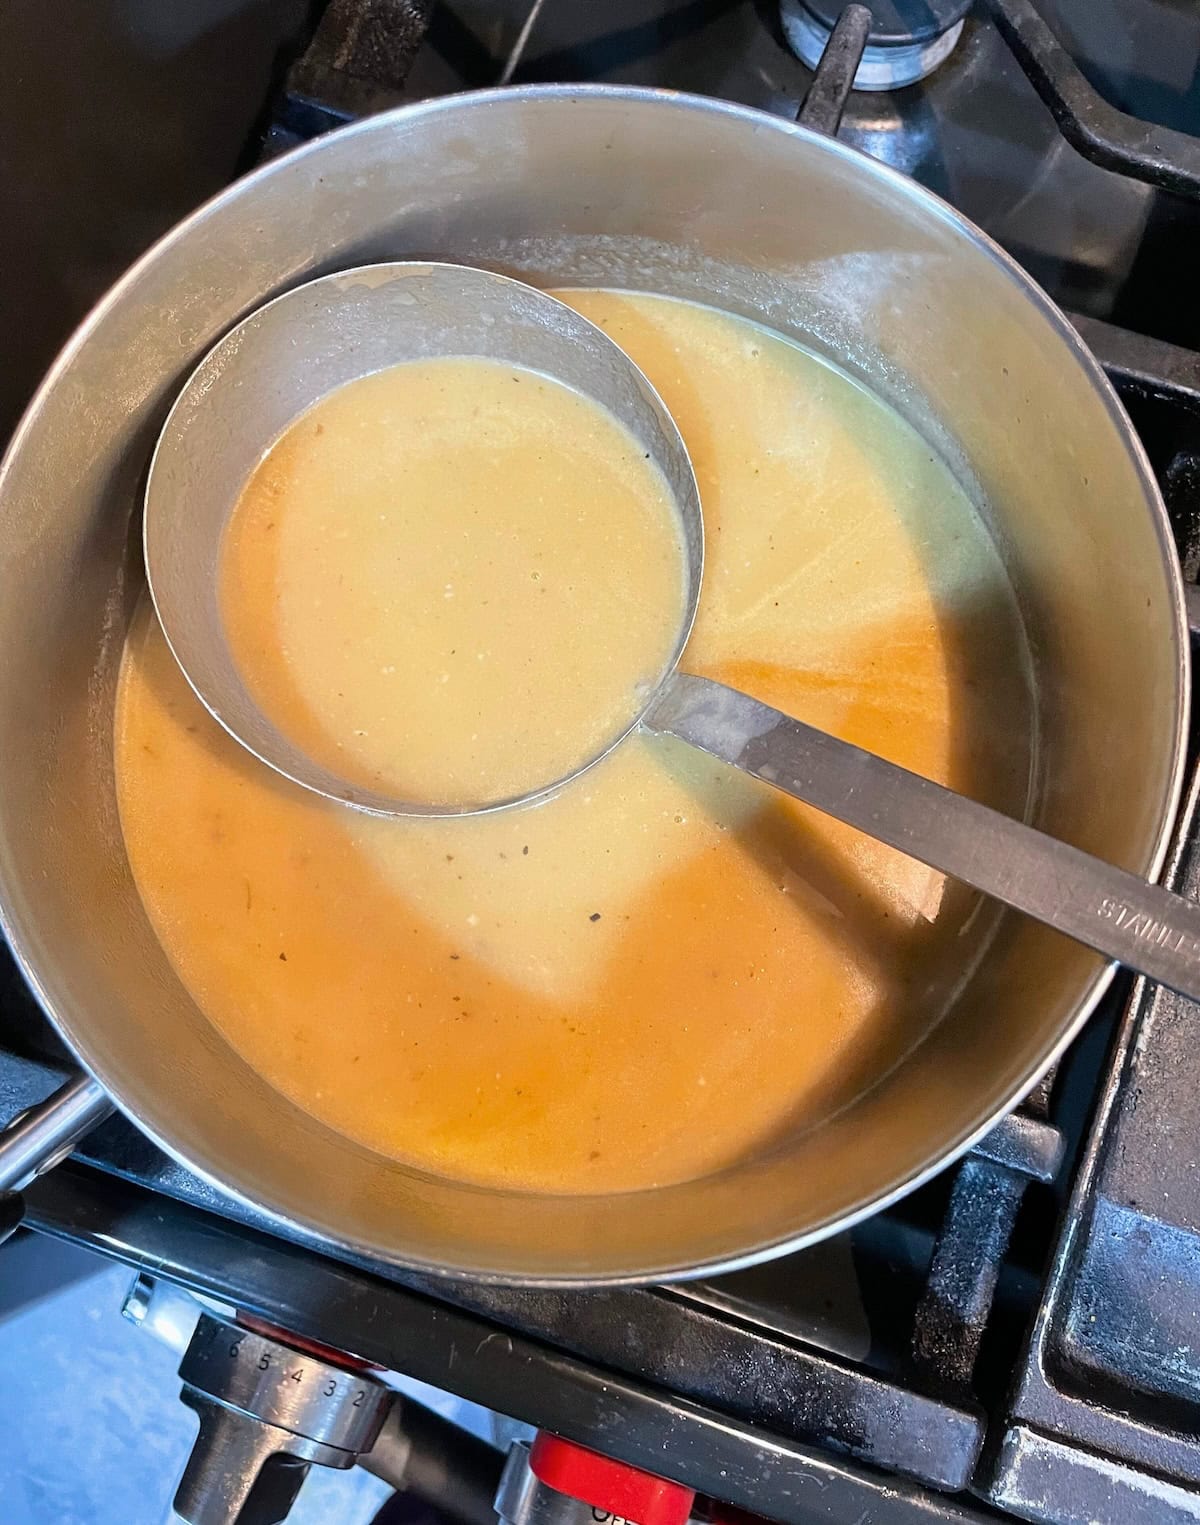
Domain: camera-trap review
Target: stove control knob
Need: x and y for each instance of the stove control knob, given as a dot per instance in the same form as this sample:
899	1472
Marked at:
555	1482
267	1413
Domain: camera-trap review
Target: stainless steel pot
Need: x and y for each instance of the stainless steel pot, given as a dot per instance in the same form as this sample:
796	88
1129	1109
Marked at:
649	191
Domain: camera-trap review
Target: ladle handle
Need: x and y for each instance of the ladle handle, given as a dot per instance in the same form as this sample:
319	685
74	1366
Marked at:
1141	925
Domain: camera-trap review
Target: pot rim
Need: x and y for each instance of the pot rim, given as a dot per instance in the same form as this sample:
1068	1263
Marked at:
860	164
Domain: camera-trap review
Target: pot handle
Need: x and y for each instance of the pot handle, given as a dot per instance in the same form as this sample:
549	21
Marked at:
42	1136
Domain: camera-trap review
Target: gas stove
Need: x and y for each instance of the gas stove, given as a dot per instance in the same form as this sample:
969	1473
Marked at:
1021	1337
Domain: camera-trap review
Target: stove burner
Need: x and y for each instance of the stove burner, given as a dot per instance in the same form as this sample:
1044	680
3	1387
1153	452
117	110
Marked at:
907	41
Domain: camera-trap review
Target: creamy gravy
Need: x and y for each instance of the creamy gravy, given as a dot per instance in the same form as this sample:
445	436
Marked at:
453	580
667	966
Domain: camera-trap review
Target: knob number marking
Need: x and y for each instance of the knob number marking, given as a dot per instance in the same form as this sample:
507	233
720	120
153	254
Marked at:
330	1390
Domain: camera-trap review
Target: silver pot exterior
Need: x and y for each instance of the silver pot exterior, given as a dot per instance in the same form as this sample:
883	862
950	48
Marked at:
647	191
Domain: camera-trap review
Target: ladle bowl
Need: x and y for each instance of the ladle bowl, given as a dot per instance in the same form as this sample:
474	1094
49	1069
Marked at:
288	355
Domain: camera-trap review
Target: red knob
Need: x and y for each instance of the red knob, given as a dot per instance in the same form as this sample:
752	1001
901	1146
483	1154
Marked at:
612	1487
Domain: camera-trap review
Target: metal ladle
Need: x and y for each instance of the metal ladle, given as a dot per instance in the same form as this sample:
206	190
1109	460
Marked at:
296	349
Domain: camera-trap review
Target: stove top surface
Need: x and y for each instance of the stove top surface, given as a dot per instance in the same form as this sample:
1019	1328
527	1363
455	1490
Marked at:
1021	1334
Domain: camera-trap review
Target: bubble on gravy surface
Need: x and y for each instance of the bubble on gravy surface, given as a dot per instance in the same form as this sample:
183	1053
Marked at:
667	967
